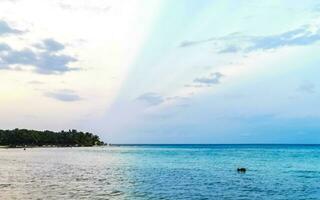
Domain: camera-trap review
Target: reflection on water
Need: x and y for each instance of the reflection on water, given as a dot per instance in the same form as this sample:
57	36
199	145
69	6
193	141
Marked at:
63	173
161	172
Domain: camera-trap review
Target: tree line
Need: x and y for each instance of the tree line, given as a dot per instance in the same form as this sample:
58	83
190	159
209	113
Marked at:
24	137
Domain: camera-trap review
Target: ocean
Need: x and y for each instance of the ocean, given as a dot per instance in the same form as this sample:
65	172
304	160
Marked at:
162	172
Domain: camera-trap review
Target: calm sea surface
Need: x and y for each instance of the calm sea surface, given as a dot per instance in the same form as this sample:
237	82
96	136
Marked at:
161	172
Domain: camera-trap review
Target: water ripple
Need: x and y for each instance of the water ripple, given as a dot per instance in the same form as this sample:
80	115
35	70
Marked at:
160	172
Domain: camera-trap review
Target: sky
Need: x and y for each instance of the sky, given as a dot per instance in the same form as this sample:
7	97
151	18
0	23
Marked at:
163	71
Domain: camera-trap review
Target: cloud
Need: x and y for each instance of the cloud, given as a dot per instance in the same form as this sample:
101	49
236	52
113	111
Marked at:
151	98
236	42
4	47
213	79
298	37
190	43
64	95
193	43
54	64
44	59
307	87
23	57
5	29
50	45
229	49
43	62
154	99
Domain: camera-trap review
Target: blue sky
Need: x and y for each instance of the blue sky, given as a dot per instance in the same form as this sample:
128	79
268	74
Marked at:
163	71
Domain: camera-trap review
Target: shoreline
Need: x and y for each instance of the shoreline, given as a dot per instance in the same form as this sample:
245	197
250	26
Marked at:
45	146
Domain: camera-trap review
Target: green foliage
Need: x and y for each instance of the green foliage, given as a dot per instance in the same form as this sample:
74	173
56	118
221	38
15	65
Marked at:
22	137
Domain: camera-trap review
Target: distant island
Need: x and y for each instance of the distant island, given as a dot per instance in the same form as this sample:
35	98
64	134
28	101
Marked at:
34	138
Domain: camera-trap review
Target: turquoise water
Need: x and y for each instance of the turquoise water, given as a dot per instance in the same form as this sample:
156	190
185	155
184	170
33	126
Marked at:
162	172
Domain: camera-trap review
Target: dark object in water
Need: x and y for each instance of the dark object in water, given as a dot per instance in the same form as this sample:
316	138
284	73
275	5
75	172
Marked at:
242	170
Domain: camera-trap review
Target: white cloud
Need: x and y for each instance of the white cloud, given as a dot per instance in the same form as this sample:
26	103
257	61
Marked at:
64	95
